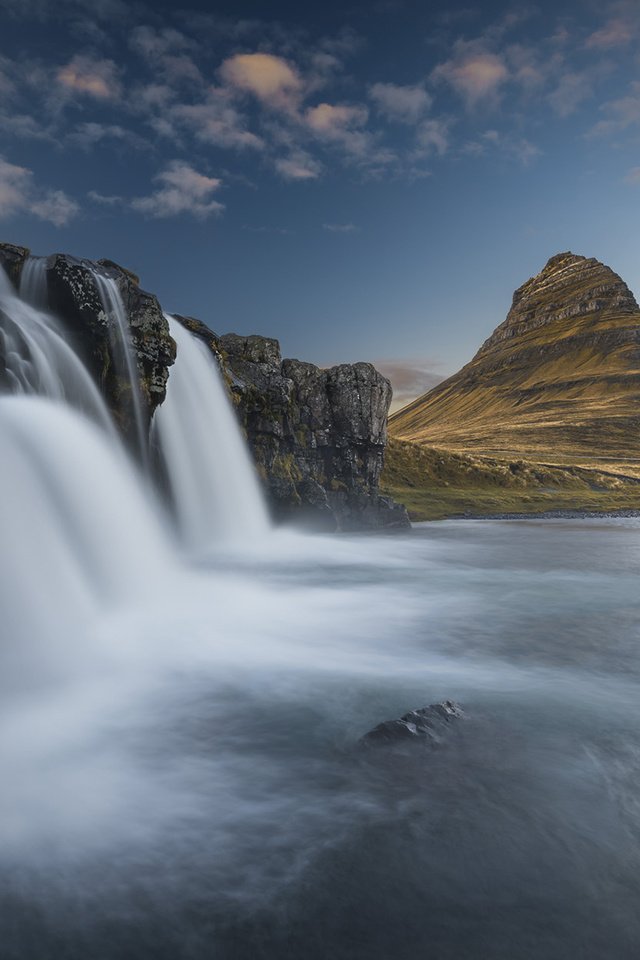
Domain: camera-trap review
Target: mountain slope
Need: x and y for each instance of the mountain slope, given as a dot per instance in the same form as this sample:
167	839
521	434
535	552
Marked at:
558	381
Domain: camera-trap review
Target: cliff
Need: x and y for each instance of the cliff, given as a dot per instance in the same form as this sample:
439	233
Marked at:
317	436
558	380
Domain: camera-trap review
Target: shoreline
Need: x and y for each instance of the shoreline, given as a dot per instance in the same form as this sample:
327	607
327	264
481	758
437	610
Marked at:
543	515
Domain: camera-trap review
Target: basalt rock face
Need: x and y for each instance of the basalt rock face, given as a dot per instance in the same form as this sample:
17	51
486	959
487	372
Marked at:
317	436
72	293
560	376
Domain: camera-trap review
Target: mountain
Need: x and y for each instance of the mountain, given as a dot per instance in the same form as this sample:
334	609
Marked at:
557	381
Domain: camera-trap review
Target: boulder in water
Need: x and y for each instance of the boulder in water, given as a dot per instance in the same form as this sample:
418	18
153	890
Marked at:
427	724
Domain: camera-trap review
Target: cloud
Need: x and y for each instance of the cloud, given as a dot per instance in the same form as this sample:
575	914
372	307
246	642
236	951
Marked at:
216	121
167	51
299	165
617	32
183	190
404	104
409	378
633	176
620	114
87	135
18	194
93	78
105	201
476	74
340	227
55	207
433	136
572	90
271	79
15	183
342	124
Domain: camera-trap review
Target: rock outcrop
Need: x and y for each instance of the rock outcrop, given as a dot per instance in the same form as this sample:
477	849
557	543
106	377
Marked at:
428	724
72	294
560	378
317	436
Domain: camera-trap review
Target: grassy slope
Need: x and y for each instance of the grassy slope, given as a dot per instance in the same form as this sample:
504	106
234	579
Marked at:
435	483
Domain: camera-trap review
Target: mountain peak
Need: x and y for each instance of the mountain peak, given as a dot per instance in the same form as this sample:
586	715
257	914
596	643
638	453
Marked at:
569	285
559	377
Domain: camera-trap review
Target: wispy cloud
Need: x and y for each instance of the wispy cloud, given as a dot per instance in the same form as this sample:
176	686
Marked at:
572	90
617	32
216	121
474	72
90	77
183	190
409	378
402	104
340	227
299	165
20	194
619	115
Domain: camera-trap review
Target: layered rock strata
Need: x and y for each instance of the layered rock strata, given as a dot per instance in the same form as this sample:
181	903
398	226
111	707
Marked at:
560	376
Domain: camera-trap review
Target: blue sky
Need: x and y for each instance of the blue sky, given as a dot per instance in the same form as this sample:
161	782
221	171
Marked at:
363	181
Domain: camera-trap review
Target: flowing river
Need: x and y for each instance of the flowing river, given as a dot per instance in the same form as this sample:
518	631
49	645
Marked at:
184	688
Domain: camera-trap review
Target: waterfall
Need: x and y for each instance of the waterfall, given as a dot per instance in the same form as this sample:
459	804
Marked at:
33	282
215	491
123	355
37	357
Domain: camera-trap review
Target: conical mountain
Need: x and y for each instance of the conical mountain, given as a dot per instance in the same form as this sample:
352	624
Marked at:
558	380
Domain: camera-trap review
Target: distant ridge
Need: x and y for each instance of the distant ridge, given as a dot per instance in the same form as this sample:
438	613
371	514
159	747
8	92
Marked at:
558	380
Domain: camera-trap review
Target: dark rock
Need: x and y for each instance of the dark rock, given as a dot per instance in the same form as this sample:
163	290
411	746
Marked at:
317	436
428	724
73	295
12	258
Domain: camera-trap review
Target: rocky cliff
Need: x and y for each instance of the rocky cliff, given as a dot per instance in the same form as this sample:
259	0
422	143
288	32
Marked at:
558	380
317	436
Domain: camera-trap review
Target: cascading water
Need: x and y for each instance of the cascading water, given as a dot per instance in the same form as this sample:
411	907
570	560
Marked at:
33	282
214	489
37	358
122	352
181	775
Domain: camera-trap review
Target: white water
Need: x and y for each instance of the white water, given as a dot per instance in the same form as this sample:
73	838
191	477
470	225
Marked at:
33	282
38	358
123	355
177	746
213	484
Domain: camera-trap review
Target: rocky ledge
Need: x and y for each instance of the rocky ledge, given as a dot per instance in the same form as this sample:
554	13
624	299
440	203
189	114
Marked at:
317	436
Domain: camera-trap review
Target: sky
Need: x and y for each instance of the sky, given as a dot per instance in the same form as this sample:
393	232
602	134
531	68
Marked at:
363	181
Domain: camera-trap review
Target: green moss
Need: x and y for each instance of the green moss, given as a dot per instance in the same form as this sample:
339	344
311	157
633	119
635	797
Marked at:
284	467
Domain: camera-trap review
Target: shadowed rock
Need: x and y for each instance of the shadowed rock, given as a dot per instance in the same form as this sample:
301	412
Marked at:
317	436
428	724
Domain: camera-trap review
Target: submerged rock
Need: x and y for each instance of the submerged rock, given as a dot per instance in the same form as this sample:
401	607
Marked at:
428	723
